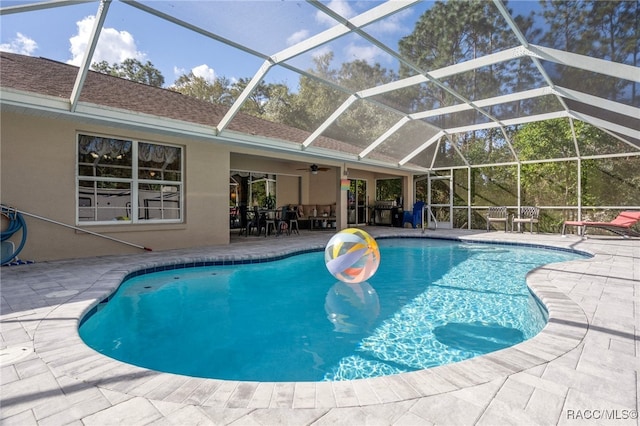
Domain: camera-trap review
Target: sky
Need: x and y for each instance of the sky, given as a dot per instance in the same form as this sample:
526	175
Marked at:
130	33
266	26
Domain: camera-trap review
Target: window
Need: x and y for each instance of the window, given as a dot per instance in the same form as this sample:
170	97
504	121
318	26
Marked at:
389	189
262	190
128	181
252	189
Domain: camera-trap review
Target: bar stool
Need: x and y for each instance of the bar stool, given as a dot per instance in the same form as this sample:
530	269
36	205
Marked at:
270	223
293	220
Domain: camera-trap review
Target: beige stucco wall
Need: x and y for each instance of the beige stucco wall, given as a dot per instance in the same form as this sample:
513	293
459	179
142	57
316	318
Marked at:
287	190
322	187
38	166
37	175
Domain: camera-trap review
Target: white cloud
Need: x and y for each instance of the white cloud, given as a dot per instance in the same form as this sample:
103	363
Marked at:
297	37
113	46
391	24
179	72
203	71
321	51
364	53
341	7
21	44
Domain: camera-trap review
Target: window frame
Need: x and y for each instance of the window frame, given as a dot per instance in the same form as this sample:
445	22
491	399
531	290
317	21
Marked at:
134	182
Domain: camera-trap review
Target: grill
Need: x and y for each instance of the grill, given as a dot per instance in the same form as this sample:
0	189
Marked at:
385	212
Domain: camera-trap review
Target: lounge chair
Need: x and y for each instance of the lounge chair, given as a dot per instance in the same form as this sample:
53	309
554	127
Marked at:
621	225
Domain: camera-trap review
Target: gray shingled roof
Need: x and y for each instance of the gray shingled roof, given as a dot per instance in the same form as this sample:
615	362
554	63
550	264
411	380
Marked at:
52	78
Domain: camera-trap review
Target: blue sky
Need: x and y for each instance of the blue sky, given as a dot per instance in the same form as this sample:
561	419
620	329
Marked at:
62	33
267	26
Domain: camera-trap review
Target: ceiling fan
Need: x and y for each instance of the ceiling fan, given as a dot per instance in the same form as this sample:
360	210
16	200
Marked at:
314	169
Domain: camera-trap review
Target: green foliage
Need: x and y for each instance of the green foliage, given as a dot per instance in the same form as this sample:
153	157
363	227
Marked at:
605	181
544	139
388	189
216	92
613	32
441	38
494	186
611	181
132	69
315	101
270	202
270	101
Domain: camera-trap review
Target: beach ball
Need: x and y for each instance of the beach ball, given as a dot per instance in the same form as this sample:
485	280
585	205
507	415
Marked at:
352	255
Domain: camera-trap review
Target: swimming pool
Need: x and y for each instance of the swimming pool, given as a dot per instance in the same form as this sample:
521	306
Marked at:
431	302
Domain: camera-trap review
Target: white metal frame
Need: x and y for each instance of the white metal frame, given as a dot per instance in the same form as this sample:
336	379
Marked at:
356	25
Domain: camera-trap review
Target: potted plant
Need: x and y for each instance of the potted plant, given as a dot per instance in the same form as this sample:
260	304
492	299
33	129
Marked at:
270	202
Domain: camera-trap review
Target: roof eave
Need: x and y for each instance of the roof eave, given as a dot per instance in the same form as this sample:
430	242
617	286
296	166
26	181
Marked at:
55	107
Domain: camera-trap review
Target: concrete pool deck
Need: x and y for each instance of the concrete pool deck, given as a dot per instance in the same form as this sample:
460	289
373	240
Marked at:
581	369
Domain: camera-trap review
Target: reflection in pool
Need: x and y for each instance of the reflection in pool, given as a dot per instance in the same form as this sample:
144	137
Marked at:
431	302
352	308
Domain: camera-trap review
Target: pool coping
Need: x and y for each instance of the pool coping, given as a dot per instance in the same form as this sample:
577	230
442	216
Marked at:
564	331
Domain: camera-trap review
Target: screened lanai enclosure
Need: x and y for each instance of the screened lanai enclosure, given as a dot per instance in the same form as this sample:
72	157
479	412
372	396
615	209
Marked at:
483	103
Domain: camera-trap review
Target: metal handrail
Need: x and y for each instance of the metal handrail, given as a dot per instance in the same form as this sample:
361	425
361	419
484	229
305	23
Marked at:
435	222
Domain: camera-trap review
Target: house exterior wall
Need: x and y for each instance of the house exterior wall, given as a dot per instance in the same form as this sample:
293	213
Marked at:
287	191
323	187
38	169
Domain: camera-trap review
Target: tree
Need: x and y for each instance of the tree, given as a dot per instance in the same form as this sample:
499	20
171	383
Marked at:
315	101
270	101
280	104
567	20
617	25
601	29
362	122
267	100
553	183
199	88
442	38
131	69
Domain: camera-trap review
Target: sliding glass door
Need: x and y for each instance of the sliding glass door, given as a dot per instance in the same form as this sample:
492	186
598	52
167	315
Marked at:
357	202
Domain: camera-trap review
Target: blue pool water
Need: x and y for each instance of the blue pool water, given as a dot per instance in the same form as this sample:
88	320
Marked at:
430	303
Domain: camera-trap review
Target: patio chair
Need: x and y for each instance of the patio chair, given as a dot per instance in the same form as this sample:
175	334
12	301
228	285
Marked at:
255	220
268	222
280	222
497	214
414	219
621	225
246	221
292	218
528	214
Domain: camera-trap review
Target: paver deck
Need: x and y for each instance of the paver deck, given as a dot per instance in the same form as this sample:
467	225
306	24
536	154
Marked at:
581	369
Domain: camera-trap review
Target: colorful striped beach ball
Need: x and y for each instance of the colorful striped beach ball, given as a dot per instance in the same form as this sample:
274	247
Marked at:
352	255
